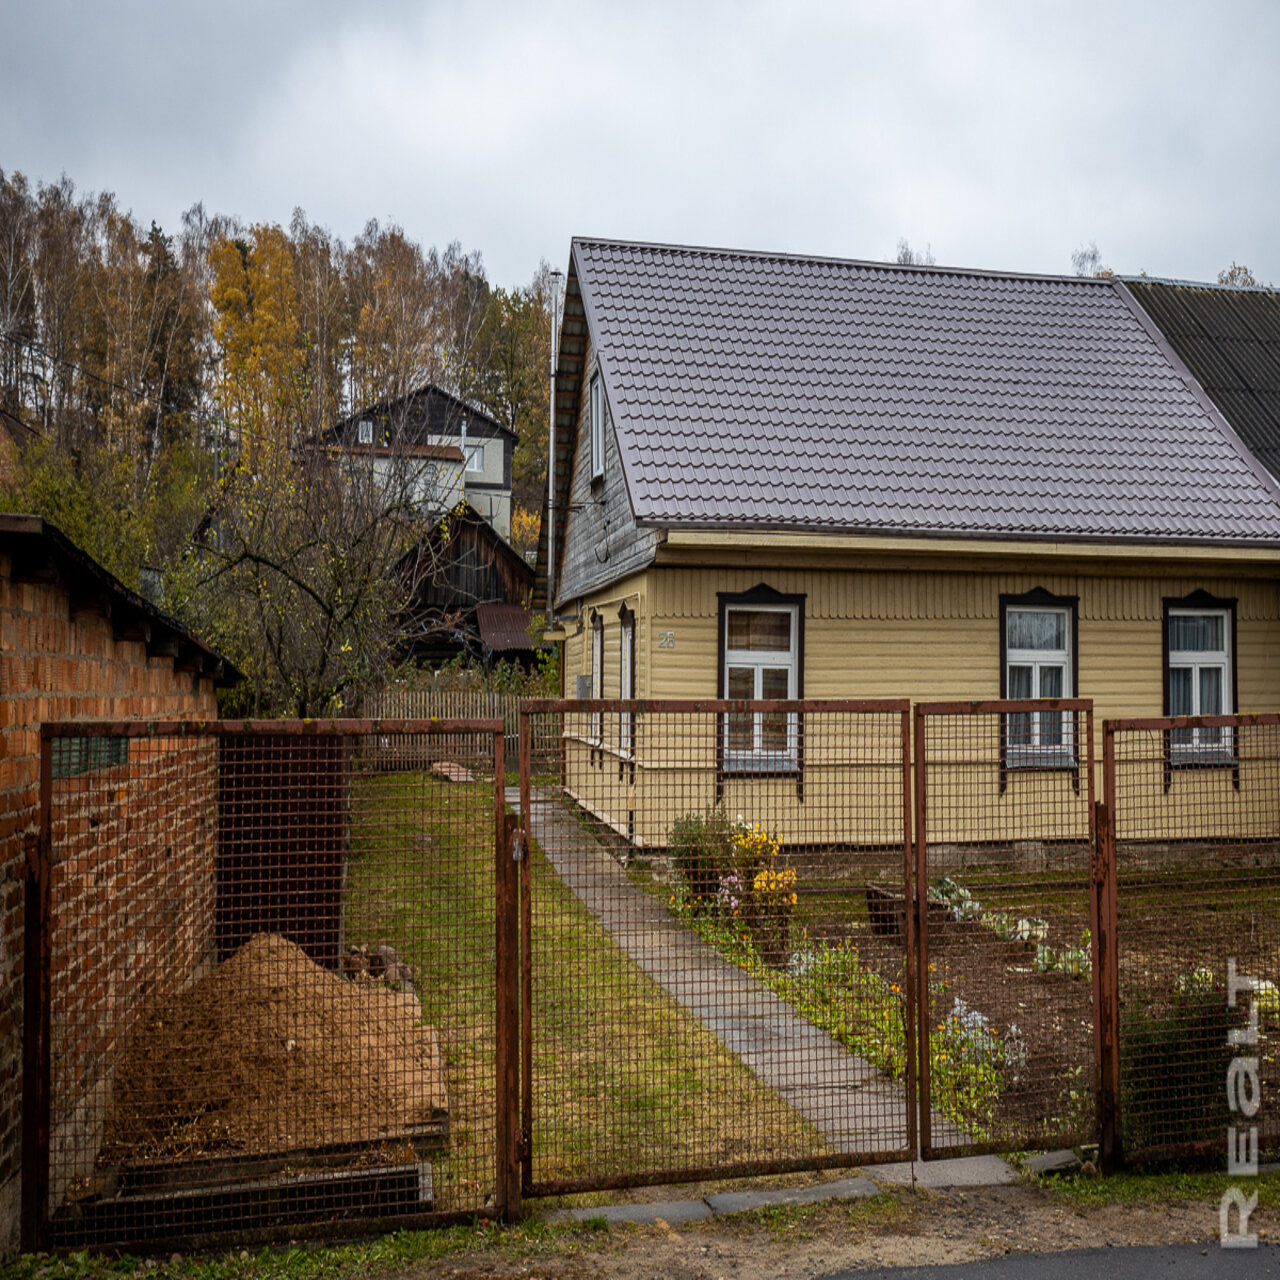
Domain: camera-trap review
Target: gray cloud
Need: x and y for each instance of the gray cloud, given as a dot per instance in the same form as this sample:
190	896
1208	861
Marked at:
1005	134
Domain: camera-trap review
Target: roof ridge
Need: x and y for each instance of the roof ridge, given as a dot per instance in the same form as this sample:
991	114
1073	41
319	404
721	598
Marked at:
1215	285
766	255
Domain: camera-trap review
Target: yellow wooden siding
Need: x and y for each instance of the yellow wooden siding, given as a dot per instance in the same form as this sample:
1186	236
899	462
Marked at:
930	635
945	594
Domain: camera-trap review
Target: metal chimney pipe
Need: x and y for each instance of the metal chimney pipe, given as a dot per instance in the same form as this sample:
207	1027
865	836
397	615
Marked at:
556	277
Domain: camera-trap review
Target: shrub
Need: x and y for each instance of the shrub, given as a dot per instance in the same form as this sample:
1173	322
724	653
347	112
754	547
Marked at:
1173	1067
702	854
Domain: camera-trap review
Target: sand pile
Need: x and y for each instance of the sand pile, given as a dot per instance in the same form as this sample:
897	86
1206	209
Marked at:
271	1053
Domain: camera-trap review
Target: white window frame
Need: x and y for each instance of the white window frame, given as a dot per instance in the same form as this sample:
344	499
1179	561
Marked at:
1202	745
597	677
759	760
597	415
365	432
474	458
1036	753
626	681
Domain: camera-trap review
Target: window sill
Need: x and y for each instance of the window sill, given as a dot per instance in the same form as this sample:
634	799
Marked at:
746	766
1203	758
1041	761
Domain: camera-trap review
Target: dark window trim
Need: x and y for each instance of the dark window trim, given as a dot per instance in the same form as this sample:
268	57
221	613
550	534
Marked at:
761	593
627	760
1199	599
1039	598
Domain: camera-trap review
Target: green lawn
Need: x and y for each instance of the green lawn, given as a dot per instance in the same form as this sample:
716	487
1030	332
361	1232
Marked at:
625	1080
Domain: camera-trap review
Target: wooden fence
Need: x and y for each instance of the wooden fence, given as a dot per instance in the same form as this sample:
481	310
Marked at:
399	703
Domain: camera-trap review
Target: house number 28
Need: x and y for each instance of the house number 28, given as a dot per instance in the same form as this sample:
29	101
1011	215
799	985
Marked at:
666	639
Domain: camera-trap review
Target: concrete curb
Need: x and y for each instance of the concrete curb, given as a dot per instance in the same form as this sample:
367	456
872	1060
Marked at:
971	1171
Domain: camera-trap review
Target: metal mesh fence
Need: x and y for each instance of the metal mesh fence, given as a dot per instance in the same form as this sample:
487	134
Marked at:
1003	821
717	973
270	981
1195	807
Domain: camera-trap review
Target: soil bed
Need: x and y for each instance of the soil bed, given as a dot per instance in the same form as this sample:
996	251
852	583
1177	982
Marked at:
270	1053
1052	1012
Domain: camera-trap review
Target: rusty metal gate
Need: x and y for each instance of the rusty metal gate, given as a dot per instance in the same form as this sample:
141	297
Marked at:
1007	939
271	981
717	958
1192	841
295	977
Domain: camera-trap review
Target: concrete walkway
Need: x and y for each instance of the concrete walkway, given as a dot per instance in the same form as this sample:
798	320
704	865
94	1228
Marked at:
855	1108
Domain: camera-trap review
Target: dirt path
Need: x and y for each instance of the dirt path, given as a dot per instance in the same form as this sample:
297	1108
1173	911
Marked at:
907	1229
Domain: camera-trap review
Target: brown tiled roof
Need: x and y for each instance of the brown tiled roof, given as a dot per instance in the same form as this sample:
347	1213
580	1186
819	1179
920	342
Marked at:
765	391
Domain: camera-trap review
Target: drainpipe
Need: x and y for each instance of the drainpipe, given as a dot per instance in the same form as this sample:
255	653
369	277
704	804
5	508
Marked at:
551	452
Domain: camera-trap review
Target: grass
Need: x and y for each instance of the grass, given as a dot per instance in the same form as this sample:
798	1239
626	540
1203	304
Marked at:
882	1212
1158	1188
393	1253
625	1080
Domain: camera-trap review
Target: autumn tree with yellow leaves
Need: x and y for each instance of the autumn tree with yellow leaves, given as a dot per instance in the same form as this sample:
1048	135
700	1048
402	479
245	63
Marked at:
169	401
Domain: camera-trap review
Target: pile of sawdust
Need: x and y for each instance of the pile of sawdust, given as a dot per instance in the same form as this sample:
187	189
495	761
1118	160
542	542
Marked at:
271	1053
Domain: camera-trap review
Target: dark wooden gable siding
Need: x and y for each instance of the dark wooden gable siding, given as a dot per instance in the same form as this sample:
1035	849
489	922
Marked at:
602	540
475	567
597	539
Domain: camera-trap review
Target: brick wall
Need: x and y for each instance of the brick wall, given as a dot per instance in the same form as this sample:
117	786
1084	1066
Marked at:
60	665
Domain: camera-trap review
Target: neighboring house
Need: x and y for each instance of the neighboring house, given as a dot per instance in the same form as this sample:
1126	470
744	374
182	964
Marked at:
779	476
1230	340
77	644
473	583
453	451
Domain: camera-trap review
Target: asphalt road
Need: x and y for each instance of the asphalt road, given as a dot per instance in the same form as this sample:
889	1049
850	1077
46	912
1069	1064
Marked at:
1177	1262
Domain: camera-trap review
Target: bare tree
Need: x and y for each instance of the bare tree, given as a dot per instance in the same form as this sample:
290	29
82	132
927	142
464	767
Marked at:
1238	276
909	257
1086	262
309	570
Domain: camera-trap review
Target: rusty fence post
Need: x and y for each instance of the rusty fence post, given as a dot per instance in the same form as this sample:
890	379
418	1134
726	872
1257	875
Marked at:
526	953
923	1100
1106	985
36	1024
507	983
910	914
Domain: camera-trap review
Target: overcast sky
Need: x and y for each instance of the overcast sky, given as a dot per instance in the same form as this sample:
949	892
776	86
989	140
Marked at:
1003	135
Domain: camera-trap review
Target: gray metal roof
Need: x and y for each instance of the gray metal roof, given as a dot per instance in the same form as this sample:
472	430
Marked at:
768	391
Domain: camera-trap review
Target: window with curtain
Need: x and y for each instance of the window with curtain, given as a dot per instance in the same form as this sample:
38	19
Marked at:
1198	679
1038	664
761	661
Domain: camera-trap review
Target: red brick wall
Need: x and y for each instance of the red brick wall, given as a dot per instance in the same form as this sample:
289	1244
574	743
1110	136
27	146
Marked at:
55	665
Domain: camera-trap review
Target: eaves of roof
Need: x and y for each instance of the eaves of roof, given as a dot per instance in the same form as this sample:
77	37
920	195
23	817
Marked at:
41	552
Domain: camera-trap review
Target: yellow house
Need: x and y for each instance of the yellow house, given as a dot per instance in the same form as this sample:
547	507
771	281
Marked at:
781	477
